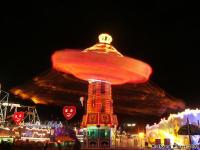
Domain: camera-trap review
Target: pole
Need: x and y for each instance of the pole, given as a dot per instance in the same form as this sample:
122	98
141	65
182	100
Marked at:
115	136
139	138
189	133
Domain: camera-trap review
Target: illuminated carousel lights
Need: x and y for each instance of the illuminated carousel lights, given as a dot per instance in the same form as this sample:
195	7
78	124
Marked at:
180	115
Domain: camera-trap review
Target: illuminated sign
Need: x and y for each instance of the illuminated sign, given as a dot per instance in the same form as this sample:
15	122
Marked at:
69	112
18	117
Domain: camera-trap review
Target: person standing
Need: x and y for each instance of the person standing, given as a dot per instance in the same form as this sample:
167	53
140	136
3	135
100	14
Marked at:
77	145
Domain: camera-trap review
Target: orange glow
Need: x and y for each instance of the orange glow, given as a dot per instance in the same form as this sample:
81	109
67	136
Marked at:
17	91
97	101
20	92
23	95
37	100
101	62
111	68
99	105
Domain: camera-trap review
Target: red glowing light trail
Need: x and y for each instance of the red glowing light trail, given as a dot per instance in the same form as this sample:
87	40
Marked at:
100	66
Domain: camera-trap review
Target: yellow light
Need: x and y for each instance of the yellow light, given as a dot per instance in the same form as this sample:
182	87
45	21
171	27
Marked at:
103	46
17	91
141	134
105	38
172	137
35	99
75	129
131	124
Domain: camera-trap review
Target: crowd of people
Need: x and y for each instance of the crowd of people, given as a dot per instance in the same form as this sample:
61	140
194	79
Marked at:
39	145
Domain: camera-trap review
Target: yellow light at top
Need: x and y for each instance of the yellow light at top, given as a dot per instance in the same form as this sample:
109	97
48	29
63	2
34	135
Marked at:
103	46
105	38
141	134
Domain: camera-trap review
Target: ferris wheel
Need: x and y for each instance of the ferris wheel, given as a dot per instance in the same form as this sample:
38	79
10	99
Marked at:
7	110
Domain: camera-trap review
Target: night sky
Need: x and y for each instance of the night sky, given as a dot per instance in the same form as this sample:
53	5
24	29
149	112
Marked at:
165	34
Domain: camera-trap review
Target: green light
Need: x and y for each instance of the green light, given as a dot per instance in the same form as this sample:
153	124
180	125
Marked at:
92	127
6	139
106	133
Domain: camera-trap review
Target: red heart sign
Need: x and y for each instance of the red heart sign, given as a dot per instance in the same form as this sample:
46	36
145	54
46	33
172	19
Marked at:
69	112
18	117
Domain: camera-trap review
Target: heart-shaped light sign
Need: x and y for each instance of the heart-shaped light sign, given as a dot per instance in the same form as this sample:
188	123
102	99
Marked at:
18	117
69	112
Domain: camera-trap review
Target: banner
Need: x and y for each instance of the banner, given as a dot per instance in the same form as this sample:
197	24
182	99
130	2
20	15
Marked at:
69	112
92	118
18	117
104	119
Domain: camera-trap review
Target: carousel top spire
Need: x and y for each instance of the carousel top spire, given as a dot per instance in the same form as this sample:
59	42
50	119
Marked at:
105	38
104	46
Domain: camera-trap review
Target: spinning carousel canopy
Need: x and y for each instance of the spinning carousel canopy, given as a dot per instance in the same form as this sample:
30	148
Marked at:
101	62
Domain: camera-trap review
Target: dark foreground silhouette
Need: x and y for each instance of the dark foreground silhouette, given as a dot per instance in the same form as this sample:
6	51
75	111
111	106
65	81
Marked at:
30	145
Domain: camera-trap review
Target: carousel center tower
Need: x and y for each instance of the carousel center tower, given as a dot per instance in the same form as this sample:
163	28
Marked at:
100	103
